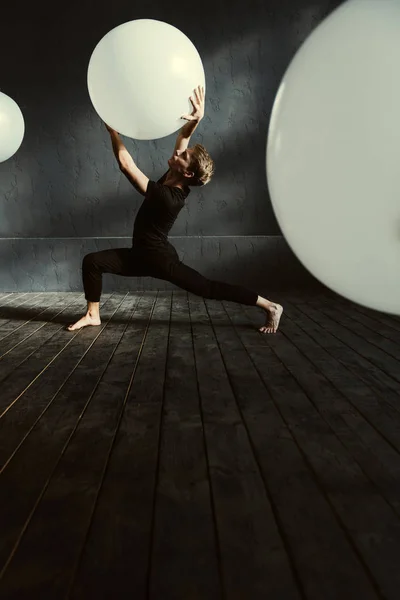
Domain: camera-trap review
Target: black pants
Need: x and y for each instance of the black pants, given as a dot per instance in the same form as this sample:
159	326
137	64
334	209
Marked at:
162	263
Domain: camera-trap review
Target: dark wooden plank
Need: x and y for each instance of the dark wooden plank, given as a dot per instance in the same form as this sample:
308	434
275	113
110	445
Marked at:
31	370
13	297
55	318
314	341
19	335
253	557
325	562
390	356
115	559
65	510
379	350
4	295
24	478
354	353
184	556
31	309
312	368
15	317
384	323
14	301
389	320
17	310
372	525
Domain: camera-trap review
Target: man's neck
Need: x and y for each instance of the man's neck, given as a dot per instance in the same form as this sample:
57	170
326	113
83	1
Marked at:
174	180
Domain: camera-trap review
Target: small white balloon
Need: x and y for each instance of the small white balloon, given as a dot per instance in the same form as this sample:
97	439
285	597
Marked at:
12	127
333	153
140	77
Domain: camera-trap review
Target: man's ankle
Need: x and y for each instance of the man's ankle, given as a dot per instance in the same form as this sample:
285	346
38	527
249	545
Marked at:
264	303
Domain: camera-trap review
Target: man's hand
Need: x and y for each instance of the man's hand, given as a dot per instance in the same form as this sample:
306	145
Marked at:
198	105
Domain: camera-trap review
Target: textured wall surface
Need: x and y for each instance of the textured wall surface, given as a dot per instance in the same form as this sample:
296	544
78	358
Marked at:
62	192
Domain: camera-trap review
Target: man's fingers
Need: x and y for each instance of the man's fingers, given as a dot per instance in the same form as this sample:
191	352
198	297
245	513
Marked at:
200	94
194	104
199	91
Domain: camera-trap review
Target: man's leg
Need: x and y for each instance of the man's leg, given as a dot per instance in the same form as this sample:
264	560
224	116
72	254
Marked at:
119	261
188	279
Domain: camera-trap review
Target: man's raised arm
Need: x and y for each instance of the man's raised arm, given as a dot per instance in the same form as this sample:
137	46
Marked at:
127	164
193	119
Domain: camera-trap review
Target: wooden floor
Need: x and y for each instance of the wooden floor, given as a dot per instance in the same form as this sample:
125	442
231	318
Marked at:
176	453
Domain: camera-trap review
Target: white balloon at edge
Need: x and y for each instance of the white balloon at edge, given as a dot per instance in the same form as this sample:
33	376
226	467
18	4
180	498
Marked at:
12	127
140	77
333	153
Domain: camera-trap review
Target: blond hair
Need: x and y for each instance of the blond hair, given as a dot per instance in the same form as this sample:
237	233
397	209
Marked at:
202	166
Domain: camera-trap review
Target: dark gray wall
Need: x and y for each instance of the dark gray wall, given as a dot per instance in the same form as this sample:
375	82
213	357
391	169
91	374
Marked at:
62	195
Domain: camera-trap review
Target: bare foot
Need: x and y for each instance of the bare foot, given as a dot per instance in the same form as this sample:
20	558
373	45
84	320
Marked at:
272	322
84	322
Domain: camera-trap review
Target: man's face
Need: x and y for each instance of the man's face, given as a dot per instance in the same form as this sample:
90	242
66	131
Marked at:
180	161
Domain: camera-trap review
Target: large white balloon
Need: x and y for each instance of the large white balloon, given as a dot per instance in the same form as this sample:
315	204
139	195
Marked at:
333	153
140	77
12	127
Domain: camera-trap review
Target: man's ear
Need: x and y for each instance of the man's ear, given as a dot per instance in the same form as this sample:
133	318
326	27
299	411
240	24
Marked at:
189	174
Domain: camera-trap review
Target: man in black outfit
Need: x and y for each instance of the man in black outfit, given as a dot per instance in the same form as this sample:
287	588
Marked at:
151	253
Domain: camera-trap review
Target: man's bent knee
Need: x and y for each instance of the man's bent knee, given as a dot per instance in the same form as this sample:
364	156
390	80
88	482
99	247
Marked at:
89	260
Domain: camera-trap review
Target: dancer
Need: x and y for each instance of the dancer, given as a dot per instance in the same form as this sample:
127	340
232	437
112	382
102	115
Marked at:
151	253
